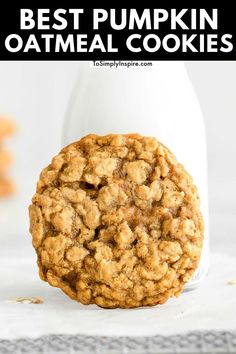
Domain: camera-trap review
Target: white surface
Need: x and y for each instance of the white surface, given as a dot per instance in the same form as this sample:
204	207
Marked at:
211	306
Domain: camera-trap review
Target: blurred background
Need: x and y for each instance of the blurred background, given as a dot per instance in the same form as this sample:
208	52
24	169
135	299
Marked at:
35	95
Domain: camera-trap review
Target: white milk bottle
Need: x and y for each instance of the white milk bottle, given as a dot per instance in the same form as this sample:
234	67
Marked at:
156	100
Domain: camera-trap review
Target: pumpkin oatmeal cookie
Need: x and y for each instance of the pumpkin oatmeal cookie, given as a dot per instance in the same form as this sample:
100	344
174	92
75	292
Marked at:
5	160
6	187
116	222
6	127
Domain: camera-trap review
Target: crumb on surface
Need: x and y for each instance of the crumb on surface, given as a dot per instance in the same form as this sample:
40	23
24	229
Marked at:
29	300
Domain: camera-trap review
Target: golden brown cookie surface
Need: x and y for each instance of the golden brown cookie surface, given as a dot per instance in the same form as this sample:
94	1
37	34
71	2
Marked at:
116	222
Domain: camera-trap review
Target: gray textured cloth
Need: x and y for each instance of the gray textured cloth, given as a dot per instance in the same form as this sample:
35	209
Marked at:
192	342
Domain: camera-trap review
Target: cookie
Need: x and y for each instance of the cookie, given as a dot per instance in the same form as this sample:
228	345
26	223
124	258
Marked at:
115	221
5	160
6	187
6	127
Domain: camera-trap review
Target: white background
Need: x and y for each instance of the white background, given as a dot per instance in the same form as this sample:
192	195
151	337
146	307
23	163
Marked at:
35	94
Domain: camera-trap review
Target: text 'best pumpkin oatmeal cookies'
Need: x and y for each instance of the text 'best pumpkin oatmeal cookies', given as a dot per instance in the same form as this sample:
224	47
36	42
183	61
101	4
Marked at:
115	221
